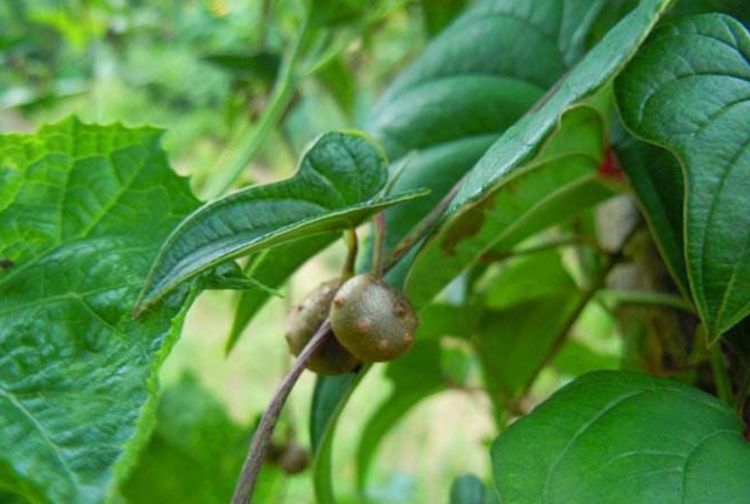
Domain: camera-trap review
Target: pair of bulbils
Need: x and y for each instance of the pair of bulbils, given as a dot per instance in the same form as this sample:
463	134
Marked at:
371	322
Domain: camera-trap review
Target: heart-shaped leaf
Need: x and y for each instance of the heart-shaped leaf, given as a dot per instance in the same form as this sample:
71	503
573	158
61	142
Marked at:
335	188
83	211
689	90
548	140
615	437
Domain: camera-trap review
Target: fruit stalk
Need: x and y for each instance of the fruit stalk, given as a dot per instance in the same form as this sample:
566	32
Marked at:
243	492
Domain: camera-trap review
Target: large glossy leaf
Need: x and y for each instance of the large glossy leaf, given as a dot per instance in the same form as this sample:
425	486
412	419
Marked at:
473	81
689	90
83	210
194	454
481	210
335	188
615	437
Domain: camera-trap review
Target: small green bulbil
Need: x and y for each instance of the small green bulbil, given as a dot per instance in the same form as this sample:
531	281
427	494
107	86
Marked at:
372	320
302	322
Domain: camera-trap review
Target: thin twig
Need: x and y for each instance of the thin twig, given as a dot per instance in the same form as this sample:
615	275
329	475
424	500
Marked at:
378	249
352	244
243	492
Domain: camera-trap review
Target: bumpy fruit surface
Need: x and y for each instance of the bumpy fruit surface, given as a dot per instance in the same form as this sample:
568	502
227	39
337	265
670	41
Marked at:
302	322
373	321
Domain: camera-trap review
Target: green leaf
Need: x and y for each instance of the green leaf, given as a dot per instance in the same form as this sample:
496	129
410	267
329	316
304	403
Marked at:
473	81
615	437
83	211
413	378
557	184
518	281
439	13
689	91
335	188
498	192
195	452
467	489
329	399
656	178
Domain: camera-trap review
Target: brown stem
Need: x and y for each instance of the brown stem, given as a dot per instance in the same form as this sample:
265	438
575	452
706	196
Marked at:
243	492
378	248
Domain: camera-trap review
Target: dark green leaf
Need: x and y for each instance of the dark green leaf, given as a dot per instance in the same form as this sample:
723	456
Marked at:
335	188
556	184
485	206
689	90
83	210
262	66
439	13
467	489
656	178
329	399
615	437
474	80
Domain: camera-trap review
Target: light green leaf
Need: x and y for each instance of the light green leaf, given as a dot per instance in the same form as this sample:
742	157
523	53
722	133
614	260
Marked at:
481	210
689	90
83	210
335	188
615	437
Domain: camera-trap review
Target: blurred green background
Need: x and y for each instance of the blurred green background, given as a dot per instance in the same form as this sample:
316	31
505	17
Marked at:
203	71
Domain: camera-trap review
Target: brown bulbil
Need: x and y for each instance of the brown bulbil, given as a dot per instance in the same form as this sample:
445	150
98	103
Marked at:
373	321
302	322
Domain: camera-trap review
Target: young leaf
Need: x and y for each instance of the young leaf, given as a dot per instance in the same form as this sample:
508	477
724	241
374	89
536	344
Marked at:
83	210
689	90
615	437
479	212
335	188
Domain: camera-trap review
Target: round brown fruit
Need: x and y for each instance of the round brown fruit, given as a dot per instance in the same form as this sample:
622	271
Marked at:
372	320
302	323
